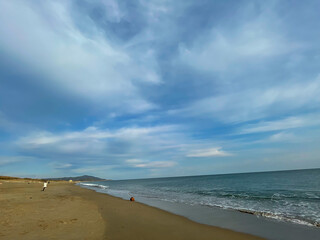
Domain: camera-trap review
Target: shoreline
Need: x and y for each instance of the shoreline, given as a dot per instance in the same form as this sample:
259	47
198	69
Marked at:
68	211
230	219
158	219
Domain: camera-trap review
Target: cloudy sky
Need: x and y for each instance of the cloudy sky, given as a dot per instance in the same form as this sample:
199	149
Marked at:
150	88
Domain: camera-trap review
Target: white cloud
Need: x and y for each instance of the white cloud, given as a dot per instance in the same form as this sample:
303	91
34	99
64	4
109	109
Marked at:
114	13
249	63
156	147
93	169
137	163
134	161
58	165
102	144
92	135
283	124
92	67
225	49
5	160
209	152
282	137
255	103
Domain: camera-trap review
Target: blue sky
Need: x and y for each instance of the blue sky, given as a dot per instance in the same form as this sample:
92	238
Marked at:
136	89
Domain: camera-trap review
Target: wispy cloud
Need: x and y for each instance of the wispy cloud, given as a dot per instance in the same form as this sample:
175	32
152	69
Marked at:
98	170
283	124
140	88
85	66
137	163
6	161
60	166
154	147
282	137
209	152
255	103
234	49
97	142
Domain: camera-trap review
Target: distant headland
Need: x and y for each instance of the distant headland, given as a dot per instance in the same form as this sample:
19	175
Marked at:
84	178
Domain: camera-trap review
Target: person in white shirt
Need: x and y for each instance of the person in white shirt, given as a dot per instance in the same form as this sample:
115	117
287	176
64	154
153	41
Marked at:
45	185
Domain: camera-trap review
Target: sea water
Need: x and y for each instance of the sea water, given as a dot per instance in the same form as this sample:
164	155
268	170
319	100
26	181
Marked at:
291	196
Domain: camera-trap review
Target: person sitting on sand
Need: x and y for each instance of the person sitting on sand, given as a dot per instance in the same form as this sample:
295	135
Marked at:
45	184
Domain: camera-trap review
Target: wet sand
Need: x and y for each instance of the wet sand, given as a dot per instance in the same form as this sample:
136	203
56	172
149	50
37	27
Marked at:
66	211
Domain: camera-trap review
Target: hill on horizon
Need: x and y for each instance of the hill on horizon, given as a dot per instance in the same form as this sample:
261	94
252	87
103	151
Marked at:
79	178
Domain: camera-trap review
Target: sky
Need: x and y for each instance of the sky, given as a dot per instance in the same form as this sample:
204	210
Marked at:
156	88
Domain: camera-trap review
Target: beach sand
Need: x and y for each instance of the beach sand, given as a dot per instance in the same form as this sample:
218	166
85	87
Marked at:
66	211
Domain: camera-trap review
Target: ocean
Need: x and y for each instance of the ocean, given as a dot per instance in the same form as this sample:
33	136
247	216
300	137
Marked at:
289	196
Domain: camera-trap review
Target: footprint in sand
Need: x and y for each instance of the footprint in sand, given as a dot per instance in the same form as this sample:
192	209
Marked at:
68	221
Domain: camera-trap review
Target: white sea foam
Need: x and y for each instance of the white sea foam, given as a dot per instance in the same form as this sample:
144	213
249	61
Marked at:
262	195
95	185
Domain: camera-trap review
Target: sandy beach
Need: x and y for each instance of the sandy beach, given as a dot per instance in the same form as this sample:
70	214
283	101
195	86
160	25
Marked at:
66	211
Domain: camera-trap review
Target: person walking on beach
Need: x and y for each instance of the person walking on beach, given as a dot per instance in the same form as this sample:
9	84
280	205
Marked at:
45	184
